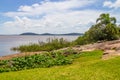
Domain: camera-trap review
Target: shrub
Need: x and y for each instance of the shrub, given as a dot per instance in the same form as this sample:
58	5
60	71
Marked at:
39	60
104	29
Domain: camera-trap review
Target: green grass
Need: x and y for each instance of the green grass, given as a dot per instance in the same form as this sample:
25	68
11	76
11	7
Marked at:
88	66
52	44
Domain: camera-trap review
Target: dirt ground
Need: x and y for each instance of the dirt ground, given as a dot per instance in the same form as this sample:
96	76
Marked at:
110	48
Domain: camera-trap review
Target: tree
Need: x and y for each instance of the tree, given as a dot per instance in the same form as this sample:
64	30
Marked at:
105	19
104	29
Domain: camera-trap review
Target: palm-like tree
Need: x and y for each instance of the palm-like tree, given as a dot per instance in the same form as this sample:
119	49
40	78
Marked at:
107	25
104	29
105	19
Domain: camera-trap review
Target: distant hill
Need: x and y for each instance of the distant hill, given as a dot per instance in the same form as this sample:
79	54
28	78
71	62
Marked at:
47	34
73	34
30	33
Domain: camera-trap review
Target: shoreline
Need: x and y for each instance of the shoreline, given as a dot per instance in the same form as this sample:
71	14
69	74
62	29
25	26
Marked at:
110	48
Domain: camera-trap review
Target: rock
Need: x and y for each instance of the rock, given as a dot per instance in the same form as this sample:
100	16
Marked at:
105	53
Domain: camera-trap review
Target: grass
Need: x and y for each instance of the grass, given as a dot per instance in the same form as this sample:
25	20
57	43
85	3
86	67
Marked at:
52	44
88	66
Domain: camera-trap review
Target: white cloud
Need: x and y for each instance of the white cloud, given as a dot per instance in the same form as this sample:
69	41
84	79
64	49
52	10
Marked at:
53	17
110	4
48	7
77	21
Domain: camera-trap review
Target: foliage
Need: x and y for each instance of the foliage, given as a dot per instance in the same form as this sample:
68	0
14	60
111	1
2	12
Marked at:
99	33
81	40
105	19
104	29
39	60
52	44
88	66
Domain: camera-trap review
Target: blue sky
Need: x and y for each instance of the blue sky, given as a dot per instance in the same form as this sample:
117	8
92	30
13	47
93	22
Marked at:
53	16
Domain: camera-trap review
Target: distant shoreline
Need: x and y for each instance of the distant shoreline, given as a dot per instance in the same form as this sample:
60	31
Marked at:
44	34
29	33
40	35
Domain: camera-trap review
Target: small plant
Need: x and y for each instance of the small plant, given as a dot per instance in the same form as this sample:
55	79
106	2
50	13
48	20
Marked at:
47	59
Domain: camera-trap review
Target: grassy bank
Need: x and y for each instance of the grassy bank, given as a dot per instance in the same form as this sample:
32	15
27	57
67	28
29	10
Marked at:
68	65
52	44
88	66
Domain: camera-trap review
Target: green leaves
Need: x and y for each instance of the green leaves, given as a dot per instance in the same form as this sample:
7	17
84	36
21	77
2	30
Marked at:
106	19
104	29
39	60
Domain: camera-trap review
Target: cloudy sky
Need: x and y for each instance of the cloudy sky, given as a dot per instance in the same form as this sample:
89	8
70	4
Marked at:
53	16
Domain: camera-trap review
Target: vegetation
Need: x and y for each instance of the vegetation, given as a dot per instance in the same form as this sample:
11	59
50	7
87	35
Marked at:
39	60
52	44
88	66
104	29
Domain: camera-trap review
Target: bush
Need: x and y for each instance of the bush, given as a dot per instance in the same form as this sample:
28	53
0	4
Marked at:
41	46
39	60
104	30
81	40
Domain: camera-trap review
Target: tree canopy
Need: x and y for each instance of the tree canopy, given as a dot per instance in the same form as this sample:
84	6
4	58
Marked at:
106	19
104	29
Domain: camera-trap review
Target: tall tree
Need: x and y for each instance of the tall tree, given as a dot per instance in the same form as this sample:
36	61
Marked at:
105	19
104	29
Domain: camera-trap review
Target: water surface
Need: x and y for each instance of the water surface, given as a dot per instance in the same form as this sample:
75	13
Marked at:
7	42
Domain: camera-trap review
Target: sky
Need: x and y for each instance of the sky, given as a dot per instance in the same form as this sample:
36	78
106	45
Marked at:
53	16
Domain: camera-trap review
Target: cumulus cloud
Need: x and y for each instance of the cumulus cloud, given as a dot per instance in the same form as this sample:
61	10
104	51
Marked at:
54	17
110	4
77	21
49	7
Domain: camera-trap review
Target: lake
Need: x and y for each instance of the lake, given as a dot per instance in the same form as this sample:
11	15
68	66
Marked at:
7	42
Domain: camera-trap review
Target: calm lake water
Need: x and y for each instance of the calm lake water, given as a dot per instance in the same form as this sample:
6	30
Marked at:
7	42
